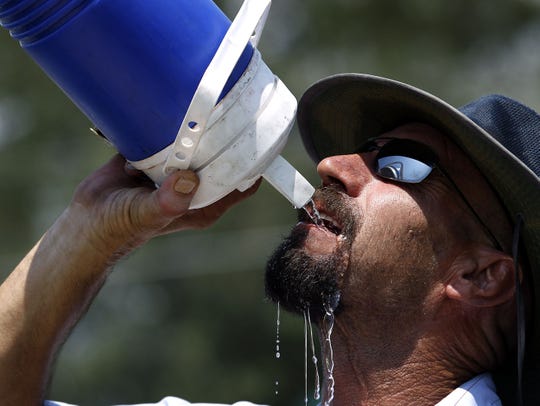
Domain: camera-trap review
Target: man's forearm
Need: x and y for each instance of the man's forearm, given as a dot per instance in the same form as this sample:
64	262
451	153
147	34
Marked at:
113	211
40	302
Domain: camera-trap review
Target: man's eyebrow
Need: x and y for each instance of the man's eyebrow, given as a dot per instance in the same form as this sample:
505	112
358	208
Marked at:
371	142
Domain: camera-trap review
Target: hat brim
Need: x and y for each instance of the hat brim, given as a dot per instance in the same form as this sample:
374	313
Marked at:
337	114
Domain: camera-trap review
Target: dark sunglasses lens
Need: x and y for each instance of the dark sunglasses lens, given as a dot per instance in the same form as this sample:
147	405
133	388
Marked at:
405	161
410	148
402	169
368	146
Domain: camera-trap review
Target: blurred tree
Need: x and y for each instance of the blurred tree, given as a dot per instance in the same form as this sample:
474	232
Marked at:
174	320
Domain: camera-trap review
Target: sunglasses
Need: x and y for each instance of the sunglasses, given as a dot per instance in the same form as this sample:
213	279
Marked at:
408	161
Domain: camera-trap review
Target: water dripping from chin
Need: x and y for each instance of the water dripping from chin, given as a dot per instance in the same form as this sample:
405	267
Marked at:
326	328
326	325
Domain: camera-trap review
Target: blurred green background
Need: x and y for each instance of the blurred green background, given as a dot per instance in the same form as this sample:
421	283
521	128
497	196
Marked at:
186	314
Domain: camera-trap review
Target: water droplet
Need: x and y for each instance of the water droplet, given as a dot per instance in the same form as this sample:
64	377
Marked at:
278	353
277	332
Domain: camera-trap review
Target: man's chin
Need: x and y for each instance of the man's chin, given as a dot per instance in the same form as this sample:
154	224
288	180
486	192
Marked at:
300	282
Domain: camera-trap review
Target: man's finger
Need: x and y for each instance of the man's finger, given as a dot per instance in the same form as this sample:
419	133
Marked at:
175	194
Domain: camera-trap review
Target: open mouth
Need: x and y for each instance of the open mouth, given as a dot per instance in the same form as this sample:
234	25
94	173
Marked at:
322	219
330	224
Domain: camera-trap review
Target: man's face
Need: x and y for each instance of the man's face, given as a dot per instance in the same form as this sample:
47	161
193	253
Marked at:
384	246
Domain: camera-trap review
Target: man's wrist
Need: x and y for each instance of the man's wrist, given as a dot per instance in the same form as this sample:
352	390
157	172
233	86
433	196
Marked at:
90	239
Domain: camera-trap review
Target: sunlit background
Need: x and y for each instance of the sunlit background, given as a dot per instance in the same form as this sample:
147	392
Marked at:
186	314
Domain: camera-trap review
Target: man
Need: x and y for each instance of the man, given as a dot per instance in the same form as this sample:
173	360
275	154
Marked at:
419	248
425	250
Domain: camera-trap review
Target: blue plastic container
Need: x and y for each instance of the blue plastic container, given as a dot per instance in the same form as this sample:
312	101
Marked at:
132	66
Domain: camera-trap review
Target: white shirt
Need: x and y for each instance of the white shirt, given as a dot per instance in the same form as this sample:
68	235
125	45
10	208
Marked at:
168	401
479	391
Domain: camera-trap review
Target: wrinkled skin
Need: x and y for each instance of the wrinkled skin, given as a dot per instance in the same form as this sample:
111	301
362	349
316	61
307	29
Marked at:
422	292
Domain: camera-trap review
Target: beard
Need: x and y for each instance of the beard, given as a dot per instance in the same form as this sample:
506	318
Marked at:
301	282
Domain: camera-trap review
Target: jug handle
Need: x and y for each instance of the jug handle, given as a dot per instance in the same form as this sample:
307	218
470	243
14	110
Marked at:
247	26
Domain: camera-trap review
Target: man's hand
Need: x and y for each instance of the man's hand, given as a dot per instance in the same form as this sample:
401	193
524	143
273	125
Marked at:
113	210
121	208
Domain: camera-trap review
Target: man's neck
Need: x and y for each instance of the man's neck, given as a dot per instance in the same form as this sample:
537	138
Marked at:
382	376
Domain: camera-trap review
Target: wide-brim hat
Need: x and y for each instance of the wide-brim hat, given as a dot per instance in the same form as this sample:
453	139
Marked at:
501	136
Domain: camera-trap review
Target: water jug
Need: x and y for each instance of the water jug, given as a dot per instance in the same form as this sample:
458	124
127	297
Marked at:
172	84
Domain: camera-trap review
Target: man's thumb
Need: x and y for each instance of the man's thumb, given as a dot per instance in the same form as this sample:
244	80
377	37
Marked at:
175	194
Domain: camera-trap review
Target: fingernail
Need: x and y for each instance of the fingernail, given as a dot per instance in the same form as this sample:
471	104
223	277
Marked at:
186	183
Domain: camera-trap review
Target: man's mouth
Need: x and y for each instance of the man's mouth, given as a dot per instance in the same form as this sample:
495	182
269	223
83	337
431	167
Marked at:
330	223
319	217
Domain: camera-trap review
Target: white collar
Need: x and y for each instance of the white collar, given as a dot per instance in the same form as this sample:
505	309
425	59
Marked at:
479	391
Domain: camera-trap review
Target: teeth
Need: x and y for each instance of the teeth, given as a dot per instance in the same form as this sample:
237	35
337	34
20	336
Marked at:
325	217
330	223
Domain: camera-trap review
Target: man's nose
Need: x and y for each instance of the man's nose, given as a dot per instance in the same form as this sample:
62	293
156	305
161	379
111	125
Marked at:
349	171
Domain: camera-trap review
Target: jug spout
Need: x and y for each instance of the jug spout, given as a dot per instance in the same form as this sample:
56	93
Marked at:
289	182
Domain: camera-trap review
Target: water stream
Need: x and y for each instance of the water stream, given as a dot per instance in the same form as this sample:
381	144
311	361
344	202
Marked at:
327	326
305	358
317	393
313	214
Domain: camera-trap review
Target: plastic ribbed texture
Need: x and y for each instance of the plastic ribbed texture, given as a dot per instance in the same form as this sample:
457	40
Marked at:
29	20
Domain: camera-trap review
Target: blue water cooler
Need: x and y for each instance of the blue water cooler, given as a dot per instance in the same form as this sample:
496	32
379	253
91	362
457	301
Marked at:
172	84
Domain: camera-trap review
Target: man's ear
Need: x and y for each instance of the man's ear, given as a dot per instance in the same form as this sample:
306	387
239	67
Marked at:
481	276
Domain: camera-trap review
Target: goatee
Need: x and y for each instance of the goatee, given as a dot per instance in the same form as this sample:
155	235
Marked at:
300	282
